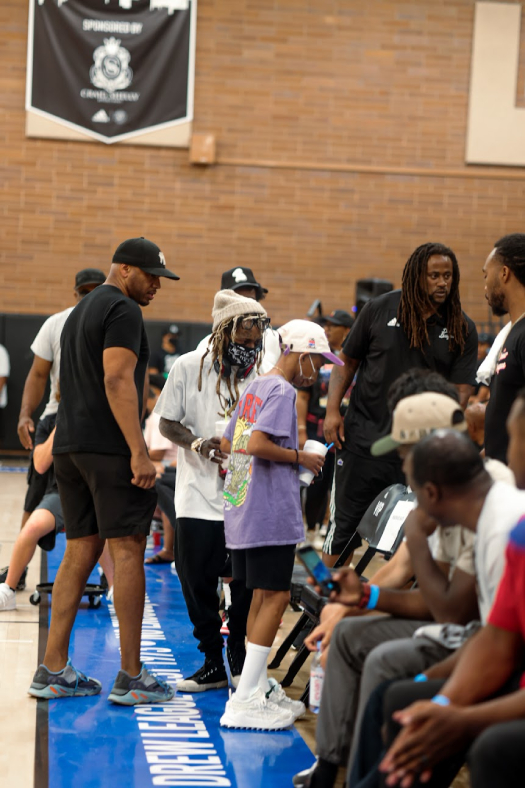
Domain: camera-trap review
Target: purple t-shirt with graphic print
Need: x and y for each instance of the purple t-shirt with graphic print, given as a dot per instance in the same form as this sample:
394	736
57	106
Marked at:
262	504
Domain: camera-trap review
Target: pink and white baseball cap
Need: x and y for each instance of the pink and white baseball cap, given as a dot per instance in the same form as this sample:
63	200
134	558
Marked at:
303	336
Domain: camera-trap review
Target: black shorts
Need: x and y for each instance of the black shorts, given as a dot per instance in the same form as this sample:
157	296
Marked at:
51	503
269	568
36	487
98	498
357	481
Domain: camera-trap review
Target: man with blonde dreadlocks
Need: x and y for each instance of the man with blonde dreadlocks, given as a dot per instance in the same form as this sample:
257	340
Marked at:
420	326
203	388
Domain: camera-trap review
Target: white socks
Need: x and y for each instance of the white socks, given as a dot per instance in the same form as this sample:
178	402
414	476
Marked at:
254	671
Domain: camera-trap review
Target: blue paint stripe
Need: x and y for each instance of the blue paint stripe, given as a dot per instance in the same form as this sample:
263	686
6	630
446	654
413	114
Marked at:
94	744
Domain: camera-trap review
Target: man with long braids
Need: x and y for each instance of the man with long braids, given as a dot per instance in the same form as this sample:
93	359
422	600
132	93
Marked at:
504	273
421	325
203	388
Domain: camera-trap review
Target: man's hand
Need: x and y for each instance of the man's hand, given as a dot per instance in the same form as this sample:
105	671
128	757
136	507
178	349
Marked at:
25	426
350	587
430	734
418	523
213	445
312	462
334	431
144	472
331	614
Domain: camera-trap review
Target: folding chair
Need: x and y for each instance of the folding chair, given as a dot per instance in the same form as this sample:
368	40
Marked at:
382	528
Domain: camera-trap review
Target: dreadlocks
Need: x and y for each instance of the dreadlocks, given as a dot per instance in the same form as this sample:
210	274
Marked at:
216	346
511	251
415	302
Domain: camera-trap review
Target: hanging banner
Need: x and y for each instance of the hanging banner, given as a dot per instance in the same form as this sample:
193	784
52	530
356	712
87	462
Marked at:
111	69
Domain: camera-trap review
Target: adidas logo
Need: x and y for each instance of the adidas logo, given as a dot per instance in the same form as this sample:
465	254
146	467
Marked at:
394	322
100	117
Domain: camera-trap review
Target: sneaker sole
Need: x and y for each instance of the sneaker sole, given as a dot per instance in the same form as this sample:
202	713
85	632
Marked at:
194	687
225	723
135	697
8	607
52	692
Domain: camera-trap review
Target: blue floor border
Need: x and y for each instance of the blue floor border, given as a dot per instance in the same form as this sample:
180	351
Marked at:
91	743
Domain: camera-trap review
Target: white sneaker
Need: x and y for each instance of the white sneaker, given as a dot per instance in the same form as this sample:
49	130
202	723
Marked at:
7	597
278	695
256	713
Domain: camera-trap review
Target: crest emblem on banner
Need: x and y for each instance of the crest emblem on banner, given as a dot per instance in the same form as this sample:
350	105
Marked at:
111	71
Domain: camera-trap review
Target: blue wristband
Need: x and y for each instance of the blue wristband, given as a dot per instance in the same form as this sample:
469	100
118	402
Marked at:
373	599
421	677
441	700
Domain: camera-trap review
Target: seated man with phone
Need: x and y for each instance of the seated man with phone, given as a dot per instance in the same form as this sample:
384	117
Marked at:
362	654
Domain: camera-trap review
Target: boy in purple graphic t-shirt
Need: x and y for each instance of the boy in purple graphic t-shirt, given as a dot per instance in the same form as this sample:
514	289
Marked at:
262	514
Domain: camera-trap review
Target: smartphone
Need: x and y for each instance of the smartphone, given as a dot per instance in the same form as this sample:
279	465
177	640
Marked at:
316	569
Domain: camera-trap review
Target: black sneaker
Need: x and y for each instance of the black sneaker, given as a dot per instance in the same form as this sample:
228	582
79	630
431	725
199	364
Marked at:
21	585
235	654
212	675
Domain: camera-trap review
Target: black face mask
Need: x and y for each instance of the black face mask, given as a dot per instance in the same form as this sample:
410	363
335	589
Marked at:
241	356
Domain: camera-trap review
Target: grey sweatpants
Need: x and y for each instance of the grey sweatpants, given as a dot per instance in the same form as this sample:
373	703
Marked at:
363	653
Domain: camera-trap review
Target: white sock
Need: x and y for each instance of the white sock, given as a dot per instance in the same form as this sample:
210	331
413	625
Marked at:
264	684
256	658
227	595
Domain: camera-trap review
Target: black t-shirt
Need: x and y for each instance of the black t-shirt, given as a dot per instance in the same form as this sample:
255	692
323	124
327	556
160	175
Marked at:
44	428
103	319
507	380
381	345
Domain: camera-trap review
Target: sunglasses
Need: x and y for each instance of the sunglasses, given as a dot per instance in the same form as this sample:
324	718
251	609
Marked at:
261	323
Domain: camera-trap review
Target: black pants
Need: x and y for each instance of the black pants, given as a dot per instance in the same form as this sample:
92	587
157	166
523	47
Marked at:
496	758
357	481
318	494
201	558
165	487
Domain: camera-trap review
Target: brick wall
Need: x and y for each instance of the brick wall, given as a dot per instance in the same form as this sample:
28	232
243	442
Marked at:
341	135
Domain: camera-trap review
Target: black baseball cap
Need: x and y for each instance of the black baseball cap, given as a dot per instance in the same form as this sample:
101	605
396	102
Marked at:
241	277
89	276
143	254
340	318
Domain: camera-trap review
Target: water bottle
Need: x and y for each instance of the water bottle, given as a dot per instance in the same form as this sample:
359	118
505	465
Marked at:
316	681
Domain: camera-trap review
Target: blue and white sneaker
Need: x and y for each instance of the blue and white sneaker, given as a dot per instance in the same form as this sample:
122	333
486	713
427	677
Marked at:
67	683
144	688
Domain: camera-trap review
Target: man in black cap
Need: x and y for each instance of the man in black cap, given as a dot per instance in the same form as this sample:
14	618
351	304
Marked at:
243	281
336	327
162	360
105	477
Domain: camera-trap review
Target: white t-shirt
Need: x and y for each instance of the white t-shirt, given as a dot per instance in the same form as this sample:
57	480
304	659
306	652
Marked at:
4	373
155	441
503	507
199	488
270	353
46	345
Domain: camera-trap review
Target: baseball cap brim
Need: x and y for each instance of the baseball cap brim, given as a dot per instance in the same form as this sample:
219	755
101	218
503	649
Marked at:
256	285
160	271
334	359
384	446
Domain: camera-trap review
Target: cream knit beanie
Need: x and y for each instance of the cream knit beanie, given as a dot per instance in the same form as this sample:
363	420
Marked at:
228	304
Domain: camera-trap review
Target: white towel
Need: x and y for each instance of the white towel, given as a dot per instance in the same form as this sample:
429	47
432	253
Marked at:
488	367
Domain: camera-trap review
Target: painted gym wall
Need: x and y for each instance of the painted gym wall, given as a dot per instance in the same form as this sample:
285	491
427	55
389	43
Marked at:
341	132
